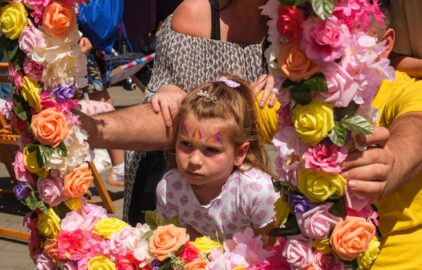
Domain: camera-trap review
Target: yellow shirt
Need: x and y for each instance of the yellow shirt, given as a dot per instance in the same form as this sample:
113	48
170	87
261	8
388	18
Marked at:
400	212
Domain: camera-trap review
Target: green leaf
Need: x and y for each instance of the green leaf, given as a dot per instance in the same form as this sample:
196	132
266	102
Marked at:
338	209
44	153
323	8
316	83
357	124
61	210
279	185
301	96
148	234
154	219
343	111
20	111
33	203
174	220
12	51
165	265
291	2
60	150
338	135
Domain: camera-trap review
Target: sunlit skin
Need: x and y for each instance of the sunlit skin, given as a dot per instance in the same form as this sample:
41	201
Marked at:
205	161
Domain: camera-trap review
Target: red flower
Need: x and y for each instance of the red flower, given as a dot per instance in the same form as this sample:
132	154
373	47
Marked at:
129	262
189	253
289	23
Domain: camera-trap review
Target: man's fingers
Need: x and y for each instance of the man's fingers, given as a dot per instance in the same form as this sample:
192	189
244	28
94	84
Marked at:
165	111
272	101
379	137
155	105
373	172
268	90
370	156
366	188
259	84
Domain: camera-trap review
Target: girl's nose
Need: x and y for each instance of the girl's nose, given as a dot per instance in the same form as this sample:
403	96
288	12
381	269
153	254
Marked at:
195	158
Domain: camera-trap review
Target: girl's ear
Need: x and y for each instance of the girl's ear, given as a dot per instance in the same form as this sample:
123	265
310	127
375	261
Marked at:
240	155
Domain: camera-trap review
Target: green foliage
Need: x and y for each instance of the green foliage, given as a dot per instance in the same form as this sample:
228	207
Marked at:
323	8
338	209
44	152
291	2
301	92
355	123
154	220
338	134
290	228
33	202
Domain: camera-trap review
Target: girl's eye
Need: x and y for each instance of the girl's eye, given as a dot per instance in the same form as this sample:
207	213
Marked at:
211	150
185	144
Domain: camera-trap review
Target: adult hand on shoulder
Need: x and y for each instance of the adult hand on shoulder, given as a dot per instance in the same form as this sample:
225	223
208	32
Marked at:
367	171
167	100
265	83
85	45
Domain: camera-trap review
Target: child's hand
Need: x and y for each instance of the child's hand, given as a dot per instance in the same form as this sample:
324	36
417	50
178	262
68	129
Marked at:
85	45
167	100
265	83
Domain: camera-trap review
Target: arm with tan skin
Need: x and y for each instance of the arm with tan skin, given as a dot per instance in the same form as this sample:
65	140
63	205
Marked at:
411	65
135	128
378	172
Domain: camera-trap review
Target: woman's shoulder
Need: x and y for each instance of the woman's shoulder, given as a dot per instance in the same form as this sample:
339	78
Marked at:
193	18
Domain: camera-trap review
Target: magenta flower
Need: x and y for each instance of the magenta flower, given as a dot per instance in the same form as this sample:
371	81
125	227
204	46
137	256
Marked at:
15	76
324	40
21	173
289	22
325	158
327	261
32	69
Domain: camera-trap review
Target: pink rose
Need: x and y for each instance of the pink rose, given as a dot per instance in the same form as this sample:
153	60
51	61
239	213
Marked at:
287	169
15	76
44	263
289	22
30	39
327	261
32	69
324	40
342	88
325	158
91	214
77	245
356	201
72	222
298	252
287	142
21	173
50	190
124	241
37	7
317	222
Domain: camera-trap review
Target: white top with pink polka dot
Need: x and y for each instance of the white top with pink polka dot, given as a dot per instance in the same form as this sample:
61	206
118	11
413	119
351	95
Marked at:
246	200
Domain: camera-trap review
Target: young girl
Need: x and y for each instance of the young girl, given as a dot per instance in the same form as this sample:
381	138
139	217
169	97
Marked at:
220	185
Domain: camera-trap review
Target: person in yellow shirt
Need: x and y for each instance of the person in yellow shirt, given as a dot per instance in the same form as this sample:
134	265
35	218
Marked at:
398	192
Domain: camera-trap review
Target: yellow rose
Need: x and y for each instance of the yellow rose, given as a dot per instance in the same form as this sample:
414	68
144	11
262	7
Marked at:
204	244
30	92
318	187
49	225
13	20
322	245
365	261
31	163
313	121
239	268
101	262
106	227
267	119
74	204
282	209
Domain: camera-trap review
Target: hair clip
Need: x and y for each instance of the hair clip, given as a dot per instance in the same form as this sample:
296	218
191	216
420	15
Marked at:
207	97
228	82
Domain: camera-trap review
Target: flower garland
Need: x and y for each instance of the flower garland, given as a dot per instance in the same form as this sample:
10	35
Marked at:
325	57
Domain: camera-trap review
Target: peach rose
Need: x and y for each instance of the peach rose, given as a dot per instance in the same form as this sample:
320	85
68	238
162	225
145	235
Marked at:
167	239
50	250
58	20
49	127
198	264
77	182
294	64
351	237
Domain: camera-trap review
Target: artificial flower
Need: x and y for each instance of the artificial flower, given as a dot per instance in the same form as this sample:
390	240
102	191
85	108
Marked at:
49	127
298	252
318	187
322	245
204	244
50	190
326	158
30	40
288	169
198	264
327	261
299	203
365	261
49	224
294	64
317	223
313	121
282	210
76	183
58	20
101	262
13	20
37	7
31	163
31	93
74	204
166	239
21	173
32	69
107	226
50	250
44	263
351	237
15	76
21	191
287	142
64	92
289	22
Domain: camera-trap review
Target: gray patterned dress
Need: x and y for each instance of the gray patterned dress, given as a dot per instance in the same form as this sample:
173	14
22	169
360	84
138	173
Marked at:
188	61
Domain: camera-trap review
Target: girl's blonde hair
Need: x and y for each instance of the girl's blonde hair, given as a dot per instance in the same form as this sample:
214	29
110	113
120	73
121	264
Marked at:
228	103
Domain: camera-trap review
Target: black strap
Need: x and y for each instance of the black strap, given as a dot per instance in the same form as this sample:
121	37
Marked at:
265	46
215	20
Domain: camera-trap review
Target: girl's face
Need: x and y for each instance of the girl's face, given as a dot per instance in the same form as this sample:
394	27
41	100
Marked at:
204	152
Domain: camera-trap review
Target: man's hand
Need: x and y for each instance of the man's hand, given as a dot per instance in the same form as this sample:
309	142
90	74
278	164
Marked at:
167	101
85	45
264	83
367	172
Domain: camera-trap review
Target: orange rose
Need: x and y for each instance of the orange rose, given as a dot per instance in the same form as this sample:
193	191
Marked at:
198	264
294	64
167	239
77	182
49	127
351	237
58	20
50	250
